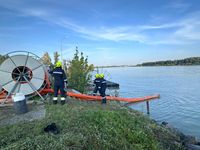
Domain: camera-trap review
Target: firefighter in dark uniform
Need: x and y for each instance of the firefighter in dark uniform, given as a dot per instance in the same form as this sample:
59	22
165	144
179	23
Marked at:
59	82
103	88
97	83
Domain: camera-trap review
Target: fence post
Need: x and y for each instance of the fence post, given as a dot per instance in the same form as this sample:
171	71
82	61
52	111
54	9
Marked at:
148	112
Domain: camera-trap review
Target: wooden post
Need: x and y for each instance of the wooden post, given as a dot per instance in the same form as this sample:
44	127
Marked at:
148	112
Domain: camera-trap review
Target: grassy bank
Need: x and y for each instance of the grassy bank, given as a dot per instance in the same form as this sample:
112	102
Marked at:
88	125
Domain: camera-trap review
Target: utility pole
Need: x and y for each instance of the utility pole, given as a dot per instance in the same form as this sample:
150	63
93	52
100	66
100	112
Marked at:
61	50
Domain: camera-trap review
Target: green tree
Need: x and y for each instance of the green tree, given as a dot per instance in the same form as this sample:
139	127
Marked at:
56	57
79	72
2	58
46	59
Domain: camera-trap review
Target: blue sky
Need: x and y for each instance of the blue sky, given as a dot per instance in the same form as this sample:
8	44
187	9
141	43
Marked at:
109	32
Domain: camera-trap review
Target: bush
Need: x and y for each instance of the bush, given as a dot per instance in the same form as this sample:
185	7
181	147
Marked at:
79	72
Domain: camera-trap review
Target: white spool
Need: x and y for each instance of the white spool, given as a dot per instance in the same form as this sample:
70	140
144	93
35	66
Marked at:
22	74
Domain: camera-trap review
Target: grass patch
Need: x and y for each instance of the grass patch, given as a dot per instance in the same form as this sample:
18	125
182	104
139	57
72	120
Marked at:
85	125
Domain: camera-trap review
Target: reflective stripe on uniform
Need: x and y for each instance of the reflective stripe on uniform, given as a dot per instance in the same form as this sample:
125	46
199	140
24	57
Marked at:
103	81
65	80
62	98
56	72
55	98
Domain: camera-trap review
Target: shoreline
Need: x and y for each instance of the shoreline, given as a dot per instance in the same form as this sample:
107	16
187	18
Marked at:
189	141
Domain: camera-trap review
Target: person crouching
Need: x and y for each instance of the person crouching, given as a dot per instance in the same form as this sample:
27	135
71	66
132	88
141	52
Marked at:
97	83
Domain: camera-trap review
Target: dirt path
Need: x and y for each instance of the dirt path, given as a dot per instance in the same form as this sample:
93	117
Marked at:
8	116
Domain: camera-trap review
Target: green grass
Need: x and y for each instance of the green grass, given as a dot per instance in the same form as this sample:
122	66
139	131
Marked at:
85	125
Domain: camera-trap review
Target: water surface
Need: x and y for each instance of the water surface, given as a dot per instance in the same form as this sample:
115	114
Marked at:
179	87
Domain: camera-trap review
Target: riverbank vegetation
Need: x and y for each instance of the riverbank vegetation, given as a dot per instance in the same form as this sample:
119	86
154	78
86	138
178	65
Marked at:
182	62
79	71
89	125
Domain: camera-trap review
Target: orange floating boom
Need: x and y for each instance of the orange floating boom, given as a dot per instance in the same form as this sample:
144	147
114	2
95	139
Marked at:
93	98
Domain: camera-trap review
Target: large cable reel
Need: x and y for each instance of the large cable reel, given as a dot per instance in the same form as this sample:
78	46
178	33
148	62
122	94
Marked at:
22	72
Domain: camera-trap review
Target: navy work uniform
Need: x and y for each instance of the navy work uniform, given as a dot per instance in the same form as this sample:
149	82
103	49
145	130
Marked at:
103	89
59	83
100	86
97	83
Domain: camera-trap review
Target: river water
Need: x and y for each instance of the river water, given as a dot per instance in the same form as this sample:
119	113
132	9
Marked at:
179	87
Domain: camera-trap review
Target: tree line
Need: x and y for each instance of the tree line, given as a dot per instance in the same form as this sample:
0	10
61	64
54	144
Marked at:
182	62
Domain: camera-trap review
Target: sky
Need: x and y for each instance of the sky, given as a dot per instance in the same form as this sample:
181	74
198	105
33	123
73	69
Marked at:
109	32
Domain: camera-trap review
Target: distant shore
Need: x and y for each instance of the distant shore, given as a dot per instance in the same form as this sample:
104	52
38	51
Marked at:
191	61
125	66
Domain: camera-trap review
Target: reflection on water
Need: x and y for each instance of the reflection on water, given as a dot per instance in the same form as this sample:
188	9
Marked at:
179	89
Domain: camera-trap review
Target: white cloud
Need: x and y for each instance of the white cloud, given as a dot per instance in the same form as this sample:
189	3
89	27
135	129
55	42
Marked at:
182	31
178	6
161	26
190	29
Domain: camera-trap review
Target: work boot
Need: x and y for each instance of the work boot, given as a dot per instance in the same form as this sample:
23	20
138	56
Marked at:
55	100
62	102
103	101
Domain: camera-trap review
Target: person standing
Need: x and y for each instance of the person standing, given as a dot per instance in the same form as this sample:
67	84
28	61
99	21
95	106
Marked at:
103	88
60	80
